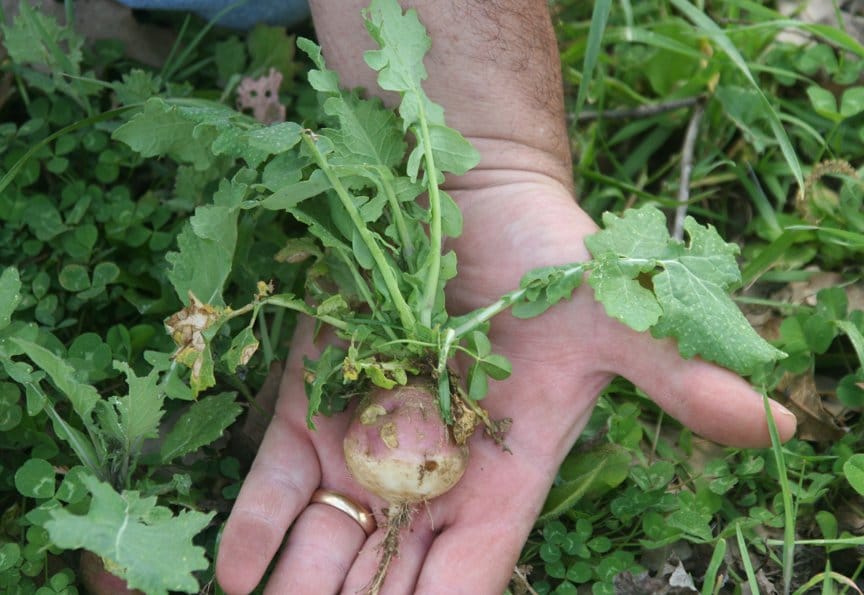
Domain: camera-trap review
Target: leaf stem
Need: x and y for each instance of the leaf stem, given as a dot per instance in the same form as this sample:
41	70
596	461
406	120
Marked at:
398	219
362	287
430	289
405	314
483	315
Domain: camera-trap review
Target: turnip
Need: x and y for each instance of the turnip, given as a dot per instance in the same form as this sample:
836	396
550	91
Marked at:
399	448
98	580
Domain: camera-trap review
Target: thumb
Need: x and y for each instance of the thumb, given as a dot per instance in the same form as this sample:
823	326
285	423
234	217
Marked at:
712	401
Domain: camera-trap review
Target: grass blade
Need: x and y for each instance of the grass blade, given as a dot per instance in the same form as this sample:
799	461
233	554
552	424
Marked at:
592	51
789	512
711	29
745	560
709	584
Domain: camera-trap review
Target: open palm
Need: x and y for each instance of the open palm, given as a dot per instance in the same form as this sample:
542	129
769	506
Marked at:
469	539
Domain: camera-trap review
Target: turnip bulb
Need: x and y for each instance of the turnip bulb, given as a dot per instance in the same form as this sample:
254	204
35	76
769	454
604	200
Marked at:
399	448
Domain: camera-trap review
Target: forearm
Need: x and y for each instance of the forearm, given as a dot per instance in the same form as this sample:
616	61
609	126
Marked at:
494	67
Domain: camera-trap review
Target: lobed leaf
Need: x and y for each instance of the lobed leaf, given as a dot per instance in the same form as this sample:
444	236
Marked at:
151	548
634	255
140	410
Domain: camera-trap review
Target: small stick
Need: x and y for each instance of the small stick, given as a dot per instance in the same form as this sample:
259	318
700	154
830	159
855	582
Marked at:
521	579
686	170
642	111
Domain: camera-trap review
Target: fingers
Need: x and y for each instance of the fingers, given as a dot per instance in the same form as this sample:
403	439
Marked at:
414	542
320	549
473	558
714	402
278	486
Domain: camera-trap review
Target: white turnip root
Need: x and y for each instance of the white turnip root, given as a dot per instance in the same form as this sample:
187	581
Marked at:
399	448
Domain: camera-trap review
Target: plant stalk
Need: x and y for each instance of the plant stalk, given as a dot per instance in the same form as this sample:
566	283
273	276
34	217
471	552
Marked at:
405	314
398	219
481	316
430	289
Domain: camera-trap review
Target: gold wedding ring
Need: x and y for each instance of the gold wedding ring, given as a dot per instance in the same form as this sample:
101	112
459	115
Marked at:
362	515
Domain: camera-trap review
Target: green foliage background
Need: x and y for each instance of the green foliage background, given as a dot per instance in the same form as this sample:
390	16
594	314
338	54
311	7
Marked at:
91	229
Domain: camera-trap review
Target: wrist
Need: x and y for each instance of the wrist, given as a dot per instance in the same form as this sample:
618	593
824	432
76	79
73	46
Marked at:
504	162
493	67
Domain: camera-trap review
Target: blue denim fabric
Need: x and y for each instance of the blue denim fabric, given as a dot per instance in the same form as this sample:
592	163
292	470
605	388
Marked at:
244	16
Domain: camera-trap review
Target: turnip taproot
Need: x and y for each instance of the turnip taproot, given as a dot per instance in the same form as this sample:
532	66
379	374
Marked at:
399	448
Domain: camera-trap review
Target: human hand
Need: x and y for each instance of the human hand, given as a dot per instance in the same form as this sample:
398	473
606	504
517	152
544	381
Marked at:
514	221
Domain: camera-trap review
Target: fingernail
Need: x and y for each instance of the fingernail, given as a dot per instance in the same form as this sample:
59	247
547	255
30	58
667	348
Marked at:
781	410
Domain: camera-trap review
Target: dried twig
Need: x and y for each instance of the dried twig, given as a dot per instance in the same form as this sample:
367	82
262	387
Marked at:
687	170
520	577
642	111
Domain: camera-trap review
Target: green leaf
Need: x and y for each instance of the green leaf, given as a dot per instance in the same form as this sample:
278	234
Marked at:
451	216
140	410
638	233
452	153
36	38
856	337
693	522
35	479
852	102
11	412
322	371
326	81
853	469
497	366
10	554
82	396
823	102
10	295
622	295
105	273
403	43
478	382
243	347
291	195
271	47
80	444
202	265
480	344
850	390
586	474
275	139
151	548
204	422
74	277
369	134
72	488
162	129
136	86
691	287
544	287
